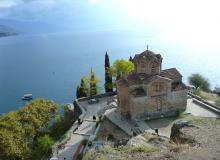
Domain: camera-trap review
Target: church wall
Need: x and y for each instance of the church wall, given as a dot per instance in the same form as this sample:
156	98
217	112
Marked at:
178	99
123	100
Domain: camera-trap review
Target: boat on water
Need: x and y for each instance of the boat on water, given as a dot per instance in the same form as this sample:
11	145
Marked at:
27	97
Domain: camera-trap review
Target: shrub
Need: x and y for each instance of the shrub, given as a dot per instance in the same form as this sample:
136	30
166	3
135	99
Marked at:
217	90
80	156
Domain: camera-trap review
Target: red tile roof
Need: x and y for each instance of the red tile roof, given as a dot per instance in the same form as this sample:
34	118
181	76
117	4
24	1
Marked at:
148	54
171	73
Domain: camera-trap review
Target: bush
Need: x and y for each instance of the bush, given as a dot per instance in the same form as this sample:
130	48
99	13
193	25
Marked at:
199	81
60	127
217	90
177	113
43	148
80	156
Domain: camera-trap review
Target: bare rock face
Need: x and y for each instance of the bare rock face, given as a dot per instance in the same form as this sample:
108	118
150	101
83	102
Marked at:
178	136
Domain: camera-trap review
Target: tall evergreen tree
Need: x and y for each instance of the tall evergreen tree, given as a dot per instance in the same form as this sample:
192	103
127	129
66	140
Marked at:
93	83
78	94
82	89
131	59
108	75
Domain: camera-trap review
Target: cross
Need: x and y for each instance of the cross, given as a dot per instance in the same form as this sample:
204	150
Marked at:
147	47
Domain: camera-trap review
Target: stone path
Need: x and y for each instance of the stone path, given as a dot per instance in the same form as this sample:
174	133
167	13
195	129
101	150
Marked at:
198	110
84	131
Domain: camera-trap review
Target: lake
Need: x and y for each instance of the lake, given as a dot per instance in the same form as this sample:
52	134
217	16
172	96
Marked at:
50	65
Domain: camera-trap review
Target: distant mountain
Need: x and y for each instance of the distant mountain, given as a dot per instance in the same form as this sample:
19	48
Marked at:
7	31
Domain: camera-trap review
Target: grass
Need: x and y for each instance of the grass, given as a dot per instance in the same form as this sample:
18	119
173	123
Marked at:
211	97
178	147
217	102
128	149
200	120
206	95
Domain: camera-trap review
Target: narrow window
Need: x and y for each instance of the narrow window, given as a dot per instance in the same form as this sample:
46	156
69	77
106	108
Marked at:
153	68
159	103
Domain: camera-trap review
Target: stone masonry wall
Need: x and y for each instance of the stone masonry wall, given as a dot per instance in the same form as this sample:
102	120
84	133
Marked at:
178	99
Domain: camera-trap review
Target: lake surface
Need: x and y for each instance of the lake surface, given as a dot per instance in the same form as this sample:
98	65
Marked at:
50	65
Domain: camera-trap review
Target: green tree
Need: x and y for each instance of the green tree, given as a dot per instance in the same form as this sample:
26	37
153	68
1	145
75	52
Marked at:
93	83
12	135
131	59
217	90
121	67
108	75
19	130
43	148
35	116
198	81
82	89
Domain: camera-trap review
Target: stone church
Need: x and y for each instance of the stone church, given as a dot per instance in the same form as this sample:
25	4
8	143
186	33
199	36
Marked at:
149	91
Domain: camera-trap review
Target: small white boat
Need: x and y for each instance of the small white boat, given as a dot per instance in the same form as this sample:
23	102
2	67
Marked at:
27	97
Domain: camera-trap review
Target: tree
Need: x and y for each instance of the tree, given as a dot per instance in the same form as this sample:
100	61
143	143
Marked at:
82	89
43	148
36	116
198	81
108	75
131	59
12	135
93	83
20	129
121	67
217	90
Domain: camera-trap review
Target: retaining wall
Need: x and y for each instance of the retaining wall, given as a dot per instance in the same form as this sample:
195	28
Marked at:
204	103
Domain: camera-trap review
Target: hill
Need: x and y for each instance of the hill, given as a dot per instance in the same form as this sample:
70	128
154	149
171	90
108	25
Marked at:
7	31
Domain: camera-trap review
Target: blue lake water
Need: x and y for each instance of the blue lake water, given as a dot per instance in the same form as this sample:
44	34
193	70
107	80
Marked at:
50	65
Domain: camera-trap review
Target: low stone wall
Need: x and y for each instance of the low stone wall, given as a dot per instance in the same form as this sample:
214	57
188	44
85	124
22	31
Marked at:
96	96
157	115
204	103
209	107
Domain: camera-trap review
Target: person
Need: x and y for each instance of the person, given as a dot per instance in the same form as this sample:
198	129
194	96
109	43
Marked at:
156	130
79	121
64	158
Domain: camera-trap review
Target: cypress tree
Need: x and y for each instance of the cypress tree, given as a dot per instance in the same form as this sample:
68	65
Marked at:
131	59
82	90
93	84
108	75
77	92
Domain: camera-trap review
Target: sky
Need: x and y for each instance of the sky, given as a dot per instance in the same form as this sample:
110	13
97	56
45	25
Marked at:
180	19
192	22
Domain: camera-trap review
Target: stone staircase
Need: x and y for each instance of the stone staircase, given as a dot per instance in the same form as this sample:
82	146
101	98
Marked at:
130	127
